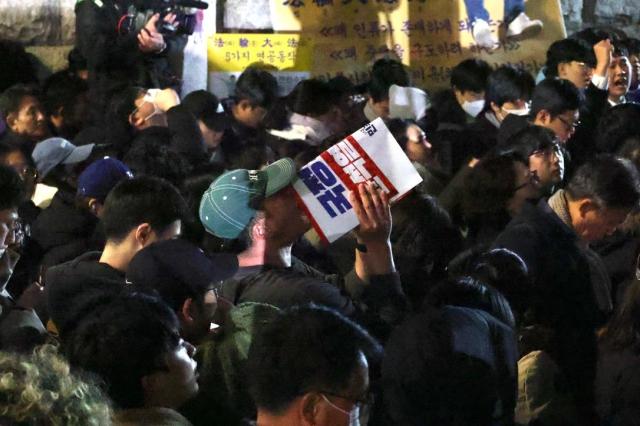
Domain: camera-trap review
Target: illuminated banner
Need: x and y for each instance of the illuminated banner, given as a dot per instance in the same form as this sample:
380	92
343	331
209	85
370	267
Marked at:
430	36
288	55
370	154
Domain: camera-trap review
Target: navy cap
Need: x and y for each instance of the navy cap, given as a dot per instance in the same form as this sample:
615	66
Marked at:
177	269
101	176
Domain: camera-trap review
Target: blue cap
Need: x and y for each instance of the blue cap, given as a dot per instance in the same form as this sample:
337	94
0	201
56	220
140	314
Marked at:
101	176
55	151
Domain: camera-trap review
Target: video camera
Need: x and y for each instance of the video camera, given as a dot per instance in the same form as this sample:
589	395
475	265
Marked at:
141	10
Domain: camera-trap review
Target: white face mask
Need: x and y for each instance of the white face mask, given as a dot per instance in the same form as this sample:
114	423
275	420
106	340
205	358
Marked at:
473	108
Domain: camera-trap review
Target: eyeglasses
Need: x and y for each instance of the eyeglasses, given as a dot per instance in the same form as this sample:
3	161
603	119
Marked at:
362	404
532	178
552	150
569	126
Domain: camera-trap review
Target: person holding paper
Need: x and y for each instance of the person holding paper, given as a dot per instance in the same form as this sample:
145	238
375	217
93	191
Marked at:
260	207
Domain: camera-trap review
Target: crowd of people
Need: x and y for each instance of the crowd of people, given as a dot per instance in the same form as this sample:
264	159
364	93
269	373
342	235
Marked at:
157	269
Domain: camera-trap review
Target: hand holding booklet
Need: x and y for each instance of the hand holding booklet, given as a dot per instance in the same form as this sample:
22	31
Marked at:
369	154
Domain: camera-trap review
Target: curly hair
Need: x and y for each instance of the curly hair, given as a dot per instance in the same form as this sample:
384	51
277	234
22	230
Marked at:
39	389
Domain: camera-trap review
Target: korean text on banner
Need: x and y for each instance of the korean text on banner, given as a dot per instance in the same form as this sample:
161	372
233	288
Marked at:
370	154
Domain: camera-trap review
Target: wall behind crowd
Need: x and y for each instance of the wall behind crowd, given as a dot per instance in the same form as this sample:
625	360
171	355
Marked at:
47	27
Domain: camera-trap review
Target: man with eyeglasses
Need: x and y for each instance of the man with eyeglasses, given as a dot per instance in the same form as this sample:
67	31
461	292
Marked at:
311	366
20	329
572	294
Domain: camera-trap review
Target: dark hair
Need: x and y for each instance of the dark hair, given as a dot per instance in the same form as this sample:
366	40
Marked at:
471	292
616	126
204	106
633	45
65	90
490	184
7	147
257	86
610	181
568	50
77	62
592	35
508	84
555	95
193	188
140	200
622	332
305	348
12	191
500	268
384	74
152	155
398	128
312	98
121	339
529	140
11	98
61	89
120	104
424	240
18	66
470	75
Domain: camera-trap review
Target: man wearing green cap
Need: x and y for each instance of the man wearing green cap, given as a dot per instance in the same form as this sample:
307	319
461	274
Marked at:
261	205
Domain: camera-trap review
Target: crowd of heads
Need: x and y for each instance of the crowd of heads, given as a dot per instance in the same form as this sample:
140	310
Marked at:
156	264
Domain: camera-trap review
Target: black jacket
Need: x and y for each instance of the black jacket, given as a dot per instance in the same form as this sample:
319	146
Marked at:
63	231
378	306
68	284
453	365
618	387
115	59
562	298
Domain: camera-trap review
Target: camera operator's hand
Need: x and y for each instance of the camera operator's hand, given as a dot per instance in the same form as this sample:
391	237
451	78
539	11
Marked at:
149	38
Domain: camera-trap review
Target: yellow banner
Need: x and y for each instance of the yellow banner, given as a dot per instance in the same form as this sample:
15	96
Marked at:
430	36
235	52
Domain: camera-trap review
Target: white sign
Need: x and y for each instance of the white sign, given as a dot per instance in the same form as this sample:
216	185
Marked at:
370	154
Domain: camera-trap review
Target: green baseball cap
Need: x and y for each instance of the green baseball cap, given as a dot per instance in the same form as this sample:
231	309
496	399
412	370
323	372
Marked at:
232	200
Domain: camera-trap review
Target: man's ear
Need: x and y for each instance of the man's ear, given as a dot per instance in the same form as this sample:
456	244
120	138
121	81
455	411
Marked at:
543	117
187	309
11	120
258	231
144	234
135	120
586	205
494	107
308	408
93	206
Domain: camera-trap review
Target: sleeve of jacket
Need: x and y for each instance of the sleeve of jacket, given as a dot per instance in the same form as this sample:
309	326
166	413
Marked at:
98	42
380	305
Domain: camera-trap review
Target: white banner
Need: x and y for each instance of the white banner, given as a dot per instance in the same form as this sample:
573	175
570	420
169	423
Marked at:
370	154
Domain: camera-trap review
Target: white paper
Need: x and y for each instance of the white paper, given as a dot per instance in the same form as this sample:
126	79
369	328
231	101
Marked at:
370	154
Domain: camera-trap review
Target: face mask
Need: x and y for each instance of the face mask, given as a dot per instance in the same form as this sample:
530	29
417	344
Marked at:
473	108
150	97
